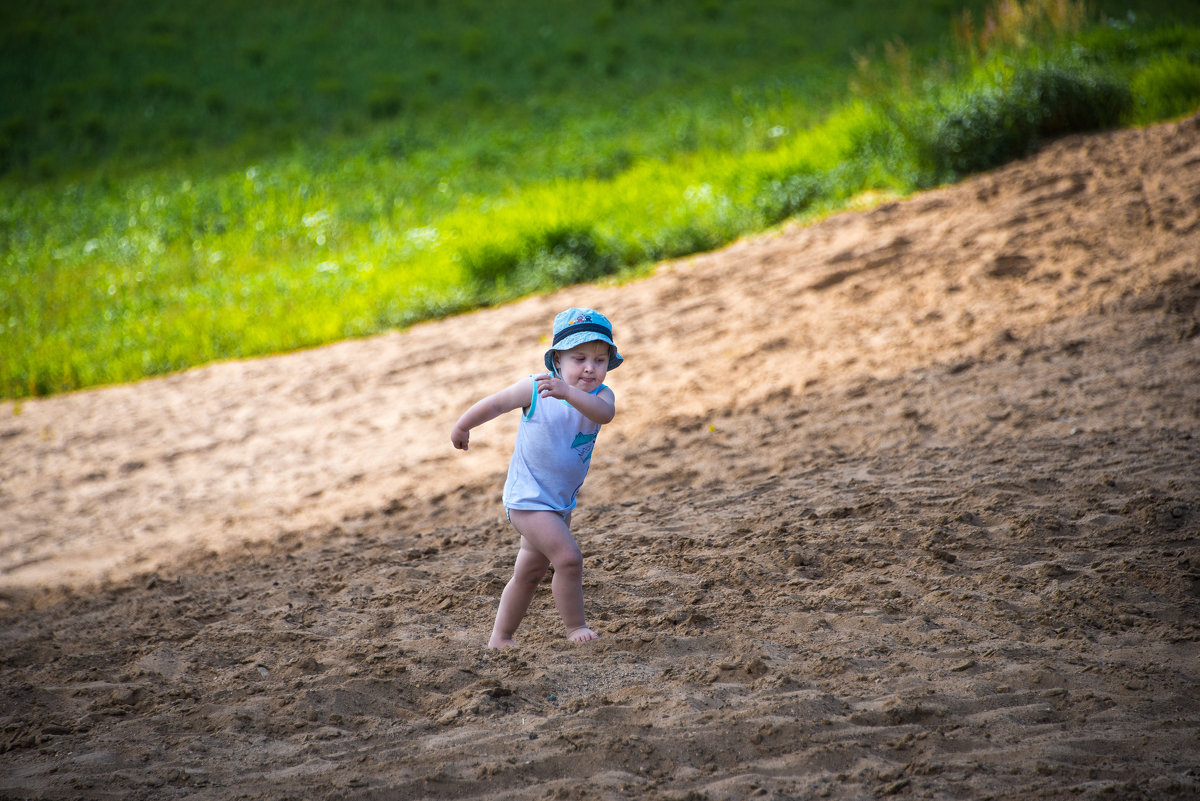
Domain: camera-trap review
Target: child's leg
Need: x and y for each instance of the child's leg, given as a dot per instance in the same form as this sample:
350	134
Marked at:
518	593
548	536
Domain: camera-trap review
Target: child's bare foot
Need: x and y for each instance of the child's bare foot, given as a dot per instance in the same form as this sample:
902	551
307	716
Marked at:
501	642
582	634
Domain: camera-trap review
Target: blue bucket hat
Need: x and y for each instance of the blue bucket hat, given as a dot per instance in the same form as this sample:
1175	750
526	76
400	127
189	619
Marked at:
573	327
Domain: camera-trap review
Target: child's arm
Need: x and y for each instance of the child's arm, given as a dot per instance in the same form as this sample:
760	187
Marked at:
516	396
599	408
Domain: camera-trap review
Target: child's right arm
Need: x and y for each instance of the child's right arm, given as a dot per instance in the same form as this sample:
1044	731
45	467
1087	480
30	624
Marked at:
516	396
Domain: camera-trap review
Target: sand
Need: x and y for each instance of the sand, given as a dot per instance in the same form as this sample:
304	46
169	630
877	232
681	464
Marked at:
904	503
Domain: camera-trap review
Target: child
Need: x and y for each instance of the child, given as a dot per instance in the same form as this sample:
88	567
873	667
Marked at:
562	414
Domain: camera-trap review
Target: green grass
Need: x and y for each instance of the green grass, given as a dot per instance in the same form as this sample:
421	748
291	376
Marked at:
187	182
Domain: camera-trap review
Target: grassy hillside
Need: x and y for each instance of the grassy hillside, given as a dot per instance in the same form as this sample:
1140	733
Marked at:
193	181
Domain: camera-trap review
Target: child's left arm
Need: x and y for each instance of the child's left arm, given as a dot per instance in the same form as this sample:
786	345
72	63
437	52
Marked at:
599	408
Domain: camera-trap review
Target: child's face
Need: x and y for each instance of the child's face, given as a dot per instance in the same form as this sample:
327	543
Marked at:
583	366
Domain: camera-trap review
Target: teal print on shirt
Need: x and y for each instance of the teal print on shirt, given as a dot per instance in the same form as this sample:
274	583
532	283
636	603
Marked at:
583	444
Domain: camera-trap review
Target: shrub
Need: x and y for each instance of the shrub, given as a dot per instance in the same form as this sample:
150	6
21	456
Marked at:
994	124
489	262
1073	100
782	198
481	94
92	128
570	254
215	103
15	133
1167	87
386	98
531	260
473	43
384	103
164	86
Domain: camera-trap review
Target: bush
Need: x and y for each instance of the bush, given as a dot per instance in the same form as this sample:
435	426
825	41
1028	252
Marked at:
167	87
1168	87
1073	101
384	103
996	124
556	256
779	199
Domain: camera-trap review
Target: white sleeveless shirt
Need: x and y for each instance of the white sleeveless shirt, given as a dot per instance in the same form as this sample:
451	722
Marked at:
551	457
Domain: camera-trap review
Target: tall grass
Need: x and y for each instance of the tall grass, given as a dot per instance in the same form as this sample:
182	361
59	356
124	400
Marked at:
175	208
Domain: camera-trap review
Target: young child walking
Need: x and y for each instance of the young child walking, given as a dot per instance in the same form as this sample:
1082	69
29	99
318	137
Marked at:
562	412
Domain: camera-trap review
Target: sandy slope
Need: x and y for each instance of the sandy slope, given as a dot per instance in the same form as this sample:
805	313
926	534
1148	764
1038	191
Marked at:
906	503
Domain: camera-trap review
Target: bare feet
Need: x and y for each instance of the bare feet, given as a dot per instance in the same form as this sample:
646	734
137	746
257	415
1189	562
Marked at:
501	642
582	634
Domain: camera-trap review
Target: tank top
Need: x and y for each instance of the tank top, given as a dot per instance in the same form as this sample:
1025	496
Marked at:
551	457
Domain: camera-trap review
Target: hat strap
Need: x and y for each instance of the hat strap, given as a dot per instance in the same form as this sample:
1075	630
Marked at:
595	328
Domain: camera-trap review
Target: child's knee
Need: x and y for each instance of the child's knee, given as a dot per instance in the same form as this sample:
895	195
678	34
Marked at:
530	575
569	562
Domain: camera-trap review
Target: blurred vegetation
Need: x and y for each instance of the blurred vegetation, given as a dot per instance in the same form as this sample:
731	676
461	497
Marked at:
182	182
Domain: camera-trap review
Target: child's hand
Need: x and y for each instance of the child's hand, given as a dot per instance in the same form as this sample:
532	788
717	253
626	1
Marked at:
460	437
549	386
